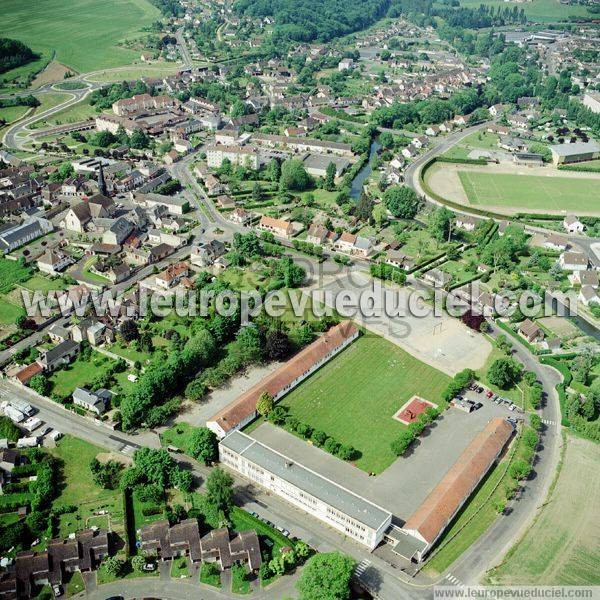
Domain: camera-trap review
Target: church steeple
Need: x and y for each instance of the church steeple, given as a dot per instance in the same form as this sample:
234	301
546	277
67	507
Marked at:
101	182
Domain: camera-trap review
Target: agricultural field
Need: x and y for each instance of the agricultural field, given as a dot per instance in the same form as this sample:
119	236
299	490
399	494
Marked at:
96	29
563	545
353	398
530	192
542	11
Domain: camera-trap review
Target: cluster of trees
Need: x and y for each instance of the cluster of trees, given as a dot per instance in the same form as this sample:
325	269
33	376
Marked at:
504	373
326	576
285	562
401	201
104	97
155	468
138	140
308	20
28	100
459	382
503	252
279	416
434	110
388	273
407	436
107	475
14	54
169	8
43	489
160	379
308	248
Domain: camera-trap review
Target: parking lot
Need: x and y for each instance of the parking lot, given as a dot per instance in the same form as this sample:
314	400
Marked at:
403	486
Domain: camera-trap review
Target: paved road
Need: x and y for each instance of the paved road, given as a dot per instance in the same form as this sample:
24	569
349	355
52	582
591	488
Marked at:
183	49
500	537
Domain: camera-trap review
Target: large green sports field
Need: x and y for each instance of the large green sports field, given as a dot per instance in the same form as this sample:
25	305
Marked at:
84	33
530	191
353	398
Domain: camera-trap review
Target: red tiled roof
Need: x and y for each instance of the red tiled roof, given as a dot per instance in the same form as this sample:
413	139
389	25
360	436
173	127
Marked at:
26	373
443	502
244	406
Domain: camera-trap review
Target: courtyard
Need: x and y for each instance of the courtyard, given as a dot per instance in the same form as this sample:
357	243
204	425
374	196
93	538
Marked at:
355	396
403	486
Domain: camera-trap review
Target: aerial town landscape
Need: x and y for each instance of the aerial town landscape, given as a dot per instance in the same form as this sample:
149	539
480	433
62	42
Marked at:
299	299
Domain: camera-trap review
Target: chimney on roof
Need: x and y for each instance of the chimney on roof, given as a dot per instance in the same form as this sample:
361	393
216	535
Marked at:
288	464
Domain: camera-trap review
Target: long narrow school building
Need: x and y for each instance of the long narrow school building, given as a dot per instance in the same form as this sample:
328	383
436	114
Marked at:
242	410
316	495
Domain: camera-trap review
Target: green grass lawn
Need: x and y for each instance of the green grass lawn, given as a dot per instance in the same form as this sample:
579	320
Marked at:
139	507
10	114
79	373
353	398
78	112
239	580
44	284
74	584
130	352
84	34
530	192
78	489
479	140
9	312
178	436
12	272
180	568
210	574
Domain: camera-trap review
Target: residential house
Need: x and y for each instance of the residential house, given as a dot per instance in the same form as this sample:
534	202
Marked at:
53	262
530	331
96	402
172	275
573	261
278	227
465	222
205	254
588	277
556	242
437	277
399	259
60	355
588	295
573	224
240	216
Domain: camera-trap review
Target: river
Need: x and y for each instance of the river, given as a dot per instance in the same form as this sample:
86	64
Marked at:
363	174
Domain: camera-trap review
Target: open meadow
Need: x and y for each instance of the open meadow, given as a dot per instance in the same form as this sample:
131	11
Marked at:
354	397
542	11
84	35
563	545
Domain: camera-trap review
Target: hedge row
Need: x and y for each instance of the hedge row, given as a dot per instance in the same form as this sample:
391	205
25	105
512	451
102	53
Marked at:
319	438
462	161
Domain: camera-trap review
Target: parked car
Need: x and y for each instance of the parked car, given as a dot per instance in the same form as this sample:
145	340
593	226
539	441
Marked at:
255	515
56	590
44	430
477	405
479	390
489	394
149	566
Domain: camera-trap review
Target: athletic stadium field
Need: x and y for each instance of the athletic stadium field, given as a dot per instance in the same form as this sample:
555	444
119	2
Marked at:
531	192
